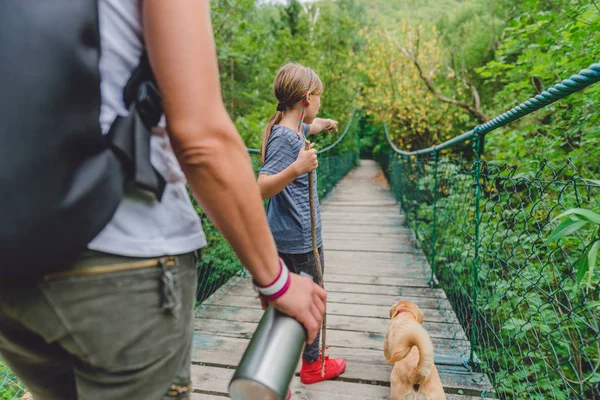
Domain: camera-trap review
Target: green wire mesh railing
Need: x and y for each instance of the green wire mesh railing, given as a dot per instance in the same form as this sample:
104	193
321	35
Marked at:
483	227
10	386
218	263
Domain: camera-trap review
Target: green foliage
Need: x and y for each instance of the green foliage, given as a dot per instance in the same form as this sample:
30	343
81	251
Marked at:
579	218
10	387
254	40
543	43
520	289
469	34
534	327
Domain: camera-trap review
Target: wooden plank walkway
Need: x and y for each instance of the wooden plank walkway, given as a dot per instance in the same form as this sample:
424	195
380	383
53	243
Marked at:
370	263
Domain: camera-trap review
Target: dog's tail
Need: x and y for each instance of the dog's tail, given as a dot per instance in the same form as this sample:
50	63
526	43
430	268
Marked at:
414	335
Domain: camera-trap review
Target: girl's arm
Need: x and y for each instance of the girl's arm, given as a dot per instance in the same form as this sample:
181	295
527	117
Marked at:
320	124
270	185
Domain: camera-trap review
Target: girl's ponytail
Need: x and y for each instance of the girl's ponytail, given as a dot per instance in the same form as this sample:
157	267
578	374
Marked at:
292	83
275	119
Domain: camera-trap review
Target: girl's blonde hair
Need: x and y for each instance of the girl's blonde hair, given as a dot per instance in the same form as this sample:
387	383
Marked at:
291	86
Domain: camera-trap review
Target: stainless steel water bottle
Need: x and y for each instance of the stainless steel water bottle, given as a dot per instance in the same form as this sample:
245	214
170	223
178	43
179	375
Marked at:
270	360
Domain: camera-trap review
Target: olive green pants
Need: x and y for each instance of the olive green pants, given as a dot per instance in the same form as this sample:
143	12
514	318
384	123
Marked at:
110	327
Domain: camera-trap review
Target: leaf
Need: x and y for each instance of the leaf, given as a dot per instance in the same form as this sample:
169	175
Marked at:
582	213
591	259
566	228
583	268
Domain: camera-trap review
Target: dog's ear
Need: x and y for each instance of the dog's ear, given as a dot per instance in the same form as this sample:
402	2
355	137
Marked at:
393	310
420	316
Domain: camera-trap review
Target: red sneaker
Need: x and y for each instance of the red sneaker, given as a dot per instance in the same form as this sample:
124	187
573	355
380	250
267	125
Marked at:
311	372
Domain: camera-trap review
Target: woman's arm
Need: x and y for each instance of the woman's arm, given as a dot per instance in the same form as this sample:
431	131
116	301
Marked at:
211	153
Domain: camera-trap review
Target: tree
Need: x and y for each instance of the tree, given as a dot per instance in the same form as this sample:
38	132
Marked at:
413	54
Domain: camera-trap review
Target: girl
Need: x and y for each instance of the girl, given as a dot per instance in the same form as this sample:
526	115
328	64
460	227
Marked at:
283	179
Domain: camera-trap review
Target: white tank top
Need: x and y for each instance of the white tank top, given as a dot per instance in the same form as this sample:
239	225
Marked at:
142	226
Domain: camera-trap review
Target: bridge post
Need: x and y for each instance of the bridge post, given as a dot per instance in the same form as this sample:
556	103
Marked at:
433	280
478	147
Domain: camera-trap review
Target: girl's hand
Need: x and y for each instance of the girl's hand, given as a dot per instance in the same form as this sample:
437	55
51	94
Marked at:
306	161
333	126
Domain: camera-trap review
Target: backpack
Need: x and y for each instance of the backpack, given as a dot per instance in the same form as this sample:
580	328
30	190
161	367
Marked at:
61	179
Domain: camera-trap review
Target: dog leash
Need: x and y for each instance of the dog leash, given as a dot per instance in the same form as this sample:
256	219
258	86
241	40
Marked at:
313	234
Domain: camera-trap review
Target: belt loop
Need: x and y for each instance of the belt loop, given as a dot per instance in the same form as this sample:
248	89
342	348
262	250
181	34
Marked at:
169	299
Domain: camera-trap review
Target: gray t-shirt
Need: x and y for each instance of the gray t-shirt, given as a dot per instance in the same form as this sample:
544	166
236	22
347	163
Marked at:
140	227
288	212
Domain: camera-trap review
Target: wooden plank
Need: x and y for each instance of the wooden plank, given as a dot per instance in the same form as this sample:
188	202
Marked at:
373	247
211	379
215	380
375	203
346	189
349	203
341	208
387	300
368	260
245	288
344	298
388	231
364	229
397	244
377	371
357	310
221	292
209	348
377	280
352	220
341	322
345	195
198	396
385	290
338	338
388	211
385	218
414	270
388	238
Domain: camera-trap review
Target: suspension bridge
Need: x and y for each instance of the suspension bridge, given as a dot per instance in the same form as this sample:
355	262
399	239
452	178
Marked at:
467	246
465	239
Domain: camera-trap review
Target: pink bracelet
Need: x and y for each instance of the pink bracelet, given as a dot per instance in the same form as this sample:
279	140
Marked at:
279	286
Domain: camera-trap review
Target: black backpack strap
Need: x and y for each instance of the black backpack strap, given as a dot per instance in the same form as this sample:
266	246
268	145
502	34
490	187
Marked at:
129	136
142	73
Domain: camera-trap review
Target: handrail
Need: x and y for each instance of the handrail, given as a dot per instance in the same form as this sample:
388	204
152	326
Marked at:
575	83
331	146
